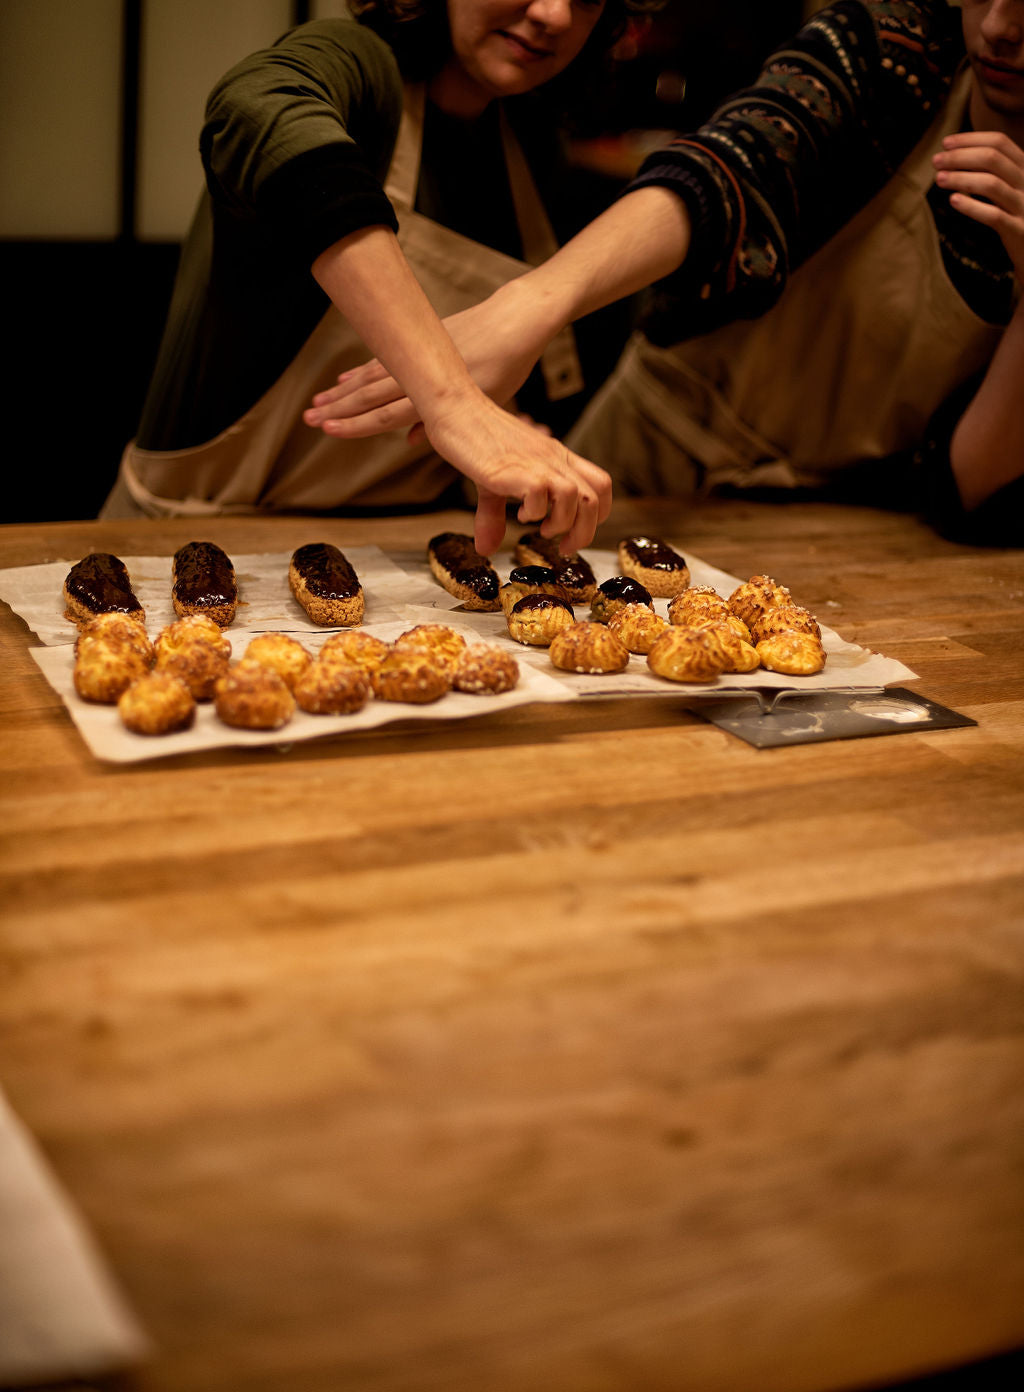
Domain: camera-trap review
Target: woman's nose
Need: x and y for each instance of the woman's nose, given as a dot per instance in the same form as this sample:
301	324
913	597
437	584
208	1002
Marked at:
1003	25
553	15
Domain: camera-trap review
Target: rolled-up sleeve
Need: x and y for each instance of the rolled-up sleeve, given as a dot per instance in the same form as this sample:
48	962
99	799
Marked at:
298	136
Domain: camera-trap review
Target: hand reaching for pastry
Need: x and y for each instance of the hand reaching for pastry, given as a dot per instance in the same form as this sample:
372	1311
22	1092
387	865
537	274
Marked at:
496	340
507	458
507	455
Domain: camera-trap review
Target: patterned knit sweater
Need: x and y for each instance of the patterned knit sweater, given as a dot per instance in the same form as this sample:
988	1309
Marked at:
782	165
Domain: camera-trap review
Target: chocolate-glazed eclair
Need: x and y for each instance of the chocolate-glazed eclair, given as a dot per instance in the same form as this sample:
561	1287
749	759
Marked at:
538	618
99	584
616	593
459	568
573	572
655	564
203	582
527	580
324	582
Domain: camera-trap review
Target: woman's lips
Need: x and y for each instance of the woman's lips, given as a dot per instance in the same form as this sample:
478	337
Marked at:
524	47
997	74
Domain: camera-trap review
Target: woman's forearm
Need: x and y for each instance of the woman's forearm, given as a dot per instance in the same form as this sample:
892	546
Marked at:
368	279
642	237
987	448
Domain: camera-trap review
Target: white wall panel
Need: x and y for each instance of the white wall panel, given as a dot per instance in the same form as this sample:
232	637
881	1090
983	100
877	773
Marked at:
186	46
60	84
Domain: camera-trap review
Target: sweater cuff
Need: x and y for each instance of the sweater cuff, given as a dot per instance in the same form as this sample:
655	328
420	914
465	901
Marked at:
708	221
321	196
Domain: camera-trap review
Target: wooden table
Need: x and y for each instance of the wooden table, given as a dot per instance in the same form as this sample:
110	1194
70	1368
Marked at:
582	1049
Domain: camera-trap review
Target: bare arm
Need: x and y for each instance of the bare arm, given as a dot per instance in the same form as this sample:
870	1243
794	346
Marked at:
368	279
987	448
638	240
642	237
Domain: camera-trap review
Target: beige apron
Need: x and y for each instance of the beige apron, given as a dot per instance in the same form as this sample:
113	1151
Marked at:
868	339
270	460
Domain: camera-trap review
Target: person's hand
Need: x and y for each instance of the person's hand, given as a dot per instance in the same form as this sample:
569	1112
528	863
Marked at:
498	345
984	174
367	278
642	237
508	457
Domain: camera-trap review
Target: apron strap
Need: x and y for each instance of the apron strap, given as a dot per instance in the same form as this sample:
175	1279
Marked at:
559	363
404	171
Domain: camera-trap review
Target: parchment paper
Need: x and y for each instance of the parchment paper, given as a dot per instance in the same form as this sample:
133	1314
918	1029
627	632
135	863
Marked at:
400	592
103	732
61	1316
847	666
265	602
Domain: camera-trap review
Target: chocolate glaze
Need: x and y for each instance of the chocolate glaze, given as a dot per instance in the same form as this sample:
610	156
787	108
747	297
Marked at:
532	575
622	587
204	576
544	546
531	602
100	583
460	558
482	580
653	553
326	571
573	570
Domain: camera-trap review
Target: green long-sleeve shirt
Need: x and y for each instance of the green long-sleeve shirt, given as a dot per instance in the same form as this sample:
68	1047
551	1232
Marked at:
295	147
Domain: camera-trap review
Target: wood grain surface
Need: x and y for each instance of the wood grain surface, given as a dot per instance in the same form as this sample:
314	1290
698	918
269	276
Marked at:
580	1049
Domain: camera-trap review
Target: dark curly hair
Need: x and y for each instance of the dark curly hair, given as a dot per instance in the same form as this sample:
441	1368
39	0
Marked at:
417	33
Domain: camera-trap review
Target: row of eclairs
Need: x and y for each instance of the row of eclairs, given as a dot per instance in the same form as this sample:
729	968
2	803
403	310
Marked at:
157	682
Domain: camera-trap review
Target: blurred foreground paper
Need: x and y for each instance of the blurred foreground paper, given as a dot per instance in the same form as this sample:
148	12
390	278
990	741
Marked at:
60	1314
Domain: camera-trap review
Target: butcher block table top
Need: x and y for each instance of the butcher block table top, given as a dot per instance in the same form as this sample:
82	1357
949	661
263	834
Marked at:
577	1048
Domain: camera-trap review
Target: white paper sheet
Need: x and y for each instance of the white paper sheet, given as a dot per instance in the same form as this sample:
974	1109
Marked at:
847	664
265	601
61	1316
400	591
103	732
